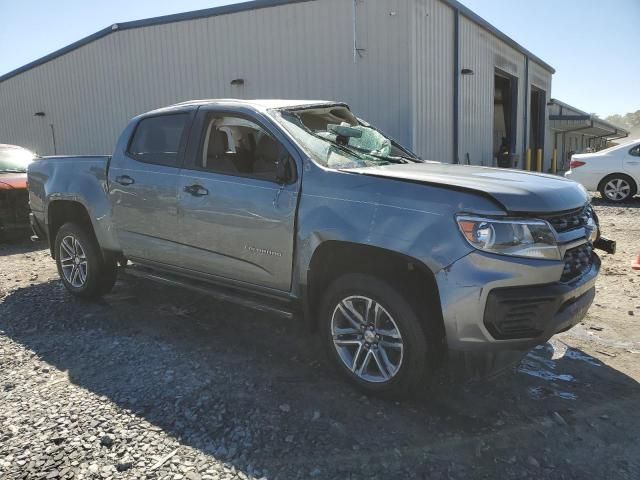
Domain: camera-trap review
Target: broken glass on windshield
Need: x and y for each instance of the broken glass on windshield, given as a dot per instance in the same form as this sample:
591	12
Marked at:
335	138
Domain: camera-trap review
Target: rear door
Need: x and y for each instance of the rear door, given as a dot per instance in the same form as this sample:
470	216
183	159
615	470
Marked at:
236	221
632	163
143	182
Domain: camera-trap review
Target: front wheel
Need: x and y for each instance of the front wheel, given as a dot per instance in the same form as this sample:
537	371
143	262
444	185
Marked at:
81	266
374	336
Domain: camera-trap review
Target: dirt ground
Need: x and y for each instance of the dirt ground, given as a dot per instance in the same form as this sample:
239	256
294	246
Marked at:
152	382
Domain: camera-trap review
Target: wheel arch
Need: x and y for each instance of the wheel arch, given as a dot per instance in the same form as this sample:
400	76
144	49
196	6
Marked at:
334	258
62	211
634	184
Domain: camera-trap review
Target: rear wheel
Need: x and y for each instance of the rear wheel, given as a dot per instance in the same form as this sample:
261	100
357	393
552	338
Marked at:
618	188
374	336
83	269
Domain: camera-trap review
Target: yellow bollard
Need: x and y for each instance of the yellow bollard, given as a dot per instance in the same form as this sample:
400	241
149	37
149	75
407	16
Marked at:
539	160
554	161
527	164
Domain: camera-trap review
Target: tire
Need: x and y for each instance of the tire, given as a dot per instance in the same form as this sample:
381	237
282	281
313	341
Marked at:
82	268
407	368
618	188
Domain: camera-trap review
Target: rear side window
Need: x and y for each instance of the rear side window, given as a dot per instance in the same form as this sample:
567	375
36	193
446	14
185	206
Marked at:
157	139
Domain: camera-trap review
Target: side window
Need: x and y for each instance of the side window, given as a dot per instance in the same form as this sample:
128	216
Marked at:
635	151
237	146
157	139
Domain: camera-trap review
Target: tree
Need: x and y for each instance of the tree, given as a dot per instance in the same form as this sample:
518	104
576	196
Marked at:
629	121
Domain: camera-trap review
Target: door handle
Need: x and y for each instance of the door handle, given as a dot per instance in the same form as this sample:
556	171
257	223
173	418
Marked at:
633	163
125	180
196	190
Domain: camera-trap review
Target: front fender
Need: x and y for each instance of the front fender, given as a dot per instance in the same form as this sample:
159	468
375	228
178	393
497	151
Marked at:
417	221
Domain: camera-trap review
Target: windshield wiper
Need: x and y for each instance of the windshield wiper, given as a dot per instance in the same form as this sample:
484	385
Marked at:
408	158
12	170
391	158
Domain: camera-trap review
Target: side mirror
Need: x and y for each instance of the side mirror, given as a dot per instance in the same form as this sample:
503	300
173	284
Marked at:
284	170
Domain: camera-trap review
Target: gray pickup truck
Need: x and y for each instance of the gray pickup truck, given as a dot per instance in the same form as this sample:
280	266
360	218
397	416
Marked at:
302	209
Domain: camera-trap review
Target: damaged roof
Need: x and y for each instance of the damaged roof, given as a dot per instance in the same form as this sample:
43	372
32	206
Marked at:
243	7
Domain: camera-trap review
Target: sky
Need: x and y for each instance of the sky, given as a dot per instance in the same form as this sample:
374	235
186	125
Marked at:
592	44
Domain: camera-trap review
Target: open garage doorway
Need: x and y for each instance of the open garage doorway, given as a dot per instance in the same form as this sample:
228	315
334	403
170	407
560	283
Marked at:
537	124
505	106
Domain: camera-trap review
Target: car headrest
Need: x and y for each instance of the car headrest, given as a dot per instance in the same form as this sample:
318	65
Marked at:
268	148
218	143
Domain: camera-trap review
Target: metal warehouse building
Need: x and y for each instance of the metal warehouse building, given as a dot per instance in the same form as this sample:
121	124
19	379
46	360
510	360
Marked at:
431	73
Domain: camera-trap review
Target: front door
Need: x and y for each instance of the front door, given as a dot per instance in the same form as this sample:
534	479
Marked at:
143	182
632	163
236	220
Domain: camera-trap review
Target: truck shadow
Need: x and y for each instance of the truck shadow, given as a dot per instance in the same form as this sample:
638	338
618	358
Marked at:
251	391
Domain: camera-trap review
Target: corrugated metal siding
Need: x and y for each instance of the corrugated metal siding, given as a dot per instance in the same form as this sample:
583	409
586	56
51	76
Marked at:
295	51
432	74
541	78
482	52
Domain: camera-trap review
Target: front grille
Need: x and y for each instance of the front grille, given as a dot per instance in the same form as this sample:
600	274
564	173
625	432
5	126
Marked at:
577	262
571	220
14	206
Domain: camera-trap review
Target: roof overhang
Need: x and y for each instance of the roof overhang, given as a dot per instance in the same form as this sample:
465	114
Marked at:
572	120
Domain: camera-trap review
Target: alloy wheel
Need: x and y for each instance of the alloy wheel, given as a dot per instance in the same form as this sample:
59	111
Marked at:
367	339
617	189
73	261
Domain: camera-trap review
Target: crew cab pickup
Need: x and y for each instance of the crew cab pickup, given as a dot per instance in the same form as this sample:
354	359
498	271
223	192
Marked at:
303	209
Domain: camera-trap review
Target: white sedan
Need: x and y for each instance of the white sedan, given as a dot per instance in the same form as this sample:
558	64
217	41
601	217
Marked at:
614	172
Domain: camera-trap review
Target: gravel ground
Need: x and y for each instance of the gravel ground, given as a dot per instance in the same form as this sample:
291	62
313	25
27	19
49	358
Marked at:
152	382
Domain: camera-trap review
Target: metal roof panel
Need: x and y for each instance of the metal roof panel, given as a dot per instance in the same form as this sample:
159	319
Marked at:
243	7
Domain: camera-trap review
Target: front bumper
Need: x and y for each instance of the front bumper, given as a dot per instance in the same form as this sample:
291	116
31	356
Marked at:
492	303
6	227
9	227
14	209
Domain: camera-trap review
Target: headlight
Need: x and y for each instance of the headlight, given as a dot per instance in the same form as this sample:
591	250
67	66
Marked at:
521	238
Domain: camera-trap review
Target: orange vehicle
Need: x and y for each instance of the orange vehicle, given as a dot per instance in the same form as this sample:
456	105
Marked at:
14	197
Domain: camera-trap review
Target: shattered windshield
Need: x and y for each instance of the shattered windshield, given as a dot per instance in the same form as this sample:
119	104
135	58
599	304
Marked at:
335	138
14	159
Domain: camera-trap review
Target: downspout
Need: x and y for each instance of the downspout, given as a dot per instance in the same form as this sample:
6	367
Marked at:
526	107
456	84
53	138
355	33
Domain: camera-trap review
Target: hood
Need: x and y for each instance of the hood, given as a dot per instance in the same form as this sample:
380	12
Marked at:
13	180
516	191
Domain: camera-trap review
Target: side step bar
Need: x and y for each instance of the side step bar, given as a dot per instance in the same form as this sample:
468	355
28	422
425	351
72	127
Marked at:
255	302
